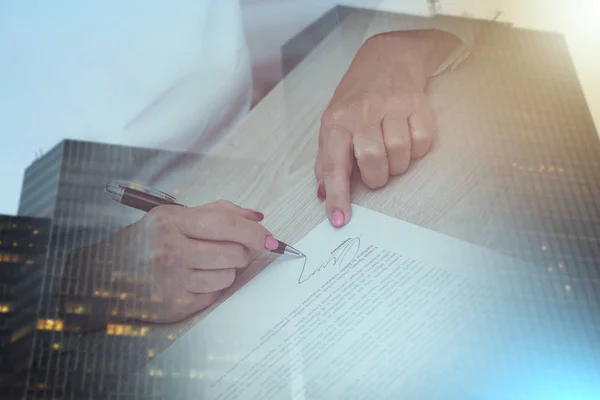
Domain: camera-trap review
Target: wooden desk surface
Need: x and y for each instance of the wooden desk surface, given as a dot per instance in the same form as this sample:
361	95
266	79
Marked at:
514	168
499	115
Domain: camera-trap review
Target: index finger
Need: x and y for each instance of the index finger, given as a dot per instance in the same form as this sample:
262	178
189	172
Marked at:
337	159
224	226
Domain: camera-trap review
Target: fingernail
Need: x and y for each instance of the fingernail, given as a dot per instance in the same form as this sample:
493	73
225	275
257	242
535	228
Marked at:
320	190
337	218
271	243
260	215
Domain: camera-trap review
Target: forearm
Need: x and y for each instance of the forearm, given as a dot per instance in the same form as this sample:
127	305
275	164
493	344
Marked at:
420	52
464	30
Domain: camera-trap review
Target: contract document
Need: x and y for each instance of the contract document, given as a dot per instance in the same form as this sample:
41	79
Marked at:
380	309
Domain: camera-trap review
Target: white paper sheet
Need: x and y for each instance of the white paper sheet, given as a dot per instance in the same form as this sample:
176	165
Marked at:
379	309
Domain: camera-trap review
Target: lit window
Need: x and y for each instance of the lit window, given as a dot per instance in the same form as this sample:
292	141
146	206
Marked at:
41	386
29	262
127	330
6	258
56	346
96	293
15	244
16	258
110	329
151	353
171	337
144	331
123	296
50	325
119	330
35	232
568	288
4	308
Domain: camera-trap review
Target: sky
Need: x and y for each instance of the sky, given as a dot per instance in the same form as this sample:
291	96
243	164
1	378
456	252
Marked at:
20	143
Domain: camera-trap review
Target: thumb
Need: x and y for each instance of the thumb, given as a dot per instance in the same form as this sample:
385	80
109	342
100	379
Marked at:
336	162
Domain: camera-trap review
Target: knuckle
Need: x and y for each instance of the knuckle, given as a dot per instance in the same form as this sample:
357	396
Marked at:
333	115
401	102
397	145
370	153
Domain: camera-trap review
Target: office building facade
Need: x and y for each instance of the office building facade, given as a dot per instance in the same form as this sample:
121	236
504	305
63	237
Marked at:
67	185
23	249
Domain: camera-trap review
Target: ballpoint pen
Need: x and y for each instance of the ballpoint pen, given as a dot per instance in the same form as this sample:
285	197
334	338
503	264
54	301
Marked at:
145	199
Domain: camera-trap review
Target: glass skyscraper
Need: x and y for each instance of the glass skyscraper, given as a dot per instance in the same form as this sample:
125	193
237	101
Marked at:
23	248
67	185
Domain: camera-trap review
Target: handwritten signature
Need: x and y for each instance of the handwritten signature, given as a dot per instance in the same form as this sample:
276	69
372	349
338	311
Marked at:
340	257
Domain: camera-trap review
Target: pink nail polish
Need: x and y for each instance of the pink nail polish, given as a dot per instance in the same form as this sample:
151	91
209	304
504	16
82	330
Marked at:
337	218
271	243
320	190
260	215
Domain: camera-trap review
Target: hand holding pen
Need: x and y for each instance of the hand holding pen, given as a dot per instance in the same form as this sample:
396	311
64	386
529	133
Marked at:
191	253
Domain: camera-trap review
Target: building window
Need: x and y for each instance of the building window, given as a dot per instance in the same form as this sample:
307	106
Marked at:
4	308
126	330
50	325
56	346
76	308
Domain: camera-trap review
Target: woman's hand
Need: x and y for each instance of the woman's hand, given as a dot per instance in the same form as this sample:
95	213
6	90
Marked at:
379	116
193	253
175	261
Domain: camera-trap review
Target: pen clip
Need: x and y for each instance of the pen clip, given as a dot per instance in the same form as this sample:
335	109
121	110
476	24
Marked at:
143	189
